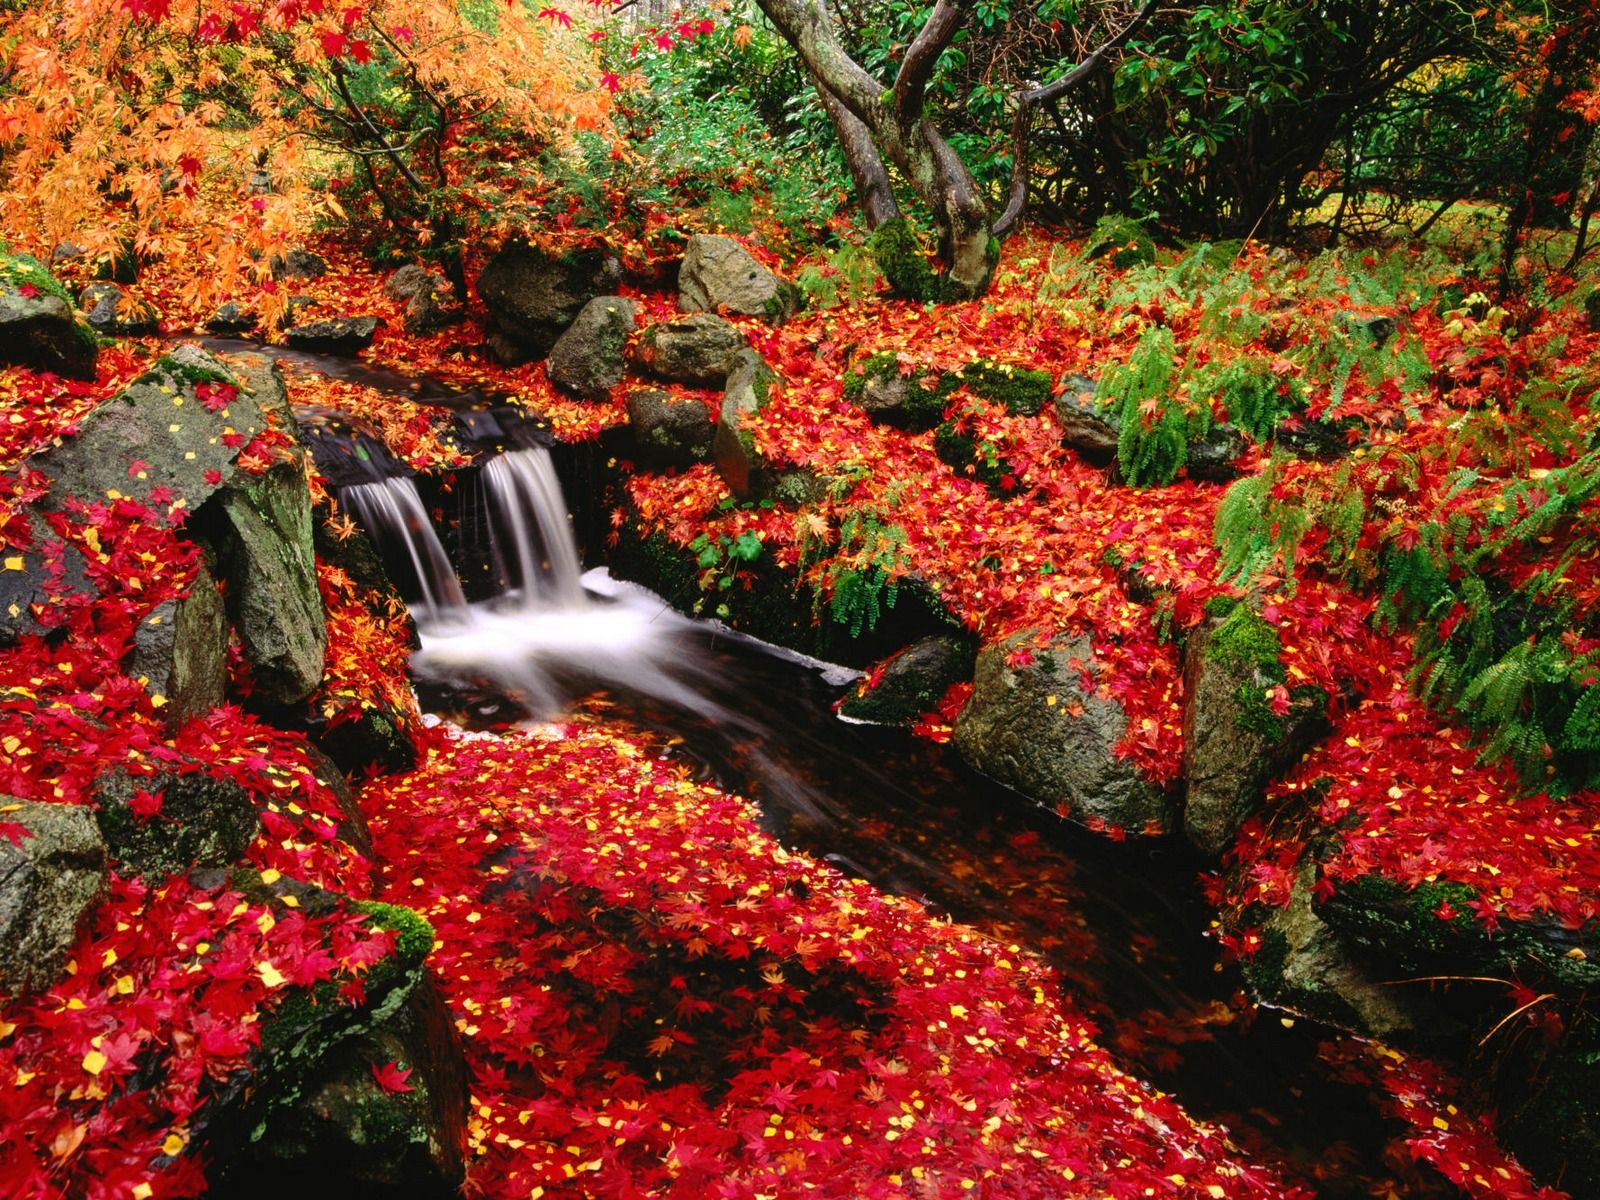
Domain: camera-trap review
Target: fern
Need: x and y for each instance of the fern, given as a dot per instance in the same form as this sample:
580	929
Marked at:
1156	427
861	580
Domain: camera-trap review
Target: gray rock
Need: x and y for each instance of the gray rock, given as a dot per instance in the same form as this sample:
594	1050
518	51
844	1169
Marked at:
1317	976
532	295
1087	427
295	311
748	391
669	431
1227	763
231	318
1033	726
267	558
41	330
701	349
110	312
424	314
48	886
1374	328
180	652
911	683
588	359
66	252
1212	457
410	279
1319	439
342	336
718	274
298	264
259	183
889	396
204	821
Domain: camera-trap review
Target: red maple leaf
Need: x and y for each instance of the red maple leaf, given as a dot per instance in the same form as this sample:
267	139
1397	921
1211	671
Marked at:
392	1077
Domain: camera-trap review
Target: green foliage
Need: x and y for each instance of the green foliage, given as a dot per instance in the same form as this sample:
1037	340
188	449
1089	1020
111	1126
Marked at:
719	559
1254	531
1122	240
1157	426
1022	390
851	277
1252	394
857	578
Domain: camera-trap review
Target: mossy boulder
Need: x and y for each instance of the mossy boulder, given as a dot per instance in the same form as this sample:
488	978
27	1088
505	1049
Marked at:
1123	241
342	337
668	430
588	359
532	295
110	312
38	324
203	820
1212	456
720	275
265	553
1022	391
749	390
900	259
911	399
1241	724
700	348
1091	428
51	878
912	683
1033	724
374	740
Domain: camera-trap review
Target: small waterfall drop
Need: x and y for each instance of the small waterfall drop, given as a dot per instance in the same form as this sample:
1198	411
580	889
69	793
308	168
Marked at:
525	496
391	511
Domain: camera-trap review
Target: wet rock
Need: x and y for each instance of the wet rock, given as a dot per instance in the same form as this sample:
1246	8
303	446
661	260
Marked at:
720	275
38	327
748	391
1319	439
66	252
532	295
353	828
51	878
668	430
1092	429
1212	456
700	348
344	1126
425	314
589	359
1304	966
203	820
295	311
1234	740
180	652
374	741
1373	328
231	318
266	556
342	336
1033	725
298	264
911	683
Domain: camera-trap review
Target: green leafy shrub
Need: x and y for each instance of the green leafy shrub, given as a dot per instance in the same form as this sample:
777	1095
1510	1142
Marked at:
1157	426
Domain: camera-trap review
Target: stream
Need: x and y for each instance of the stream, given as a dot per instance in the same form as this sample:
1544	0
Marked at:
1123	924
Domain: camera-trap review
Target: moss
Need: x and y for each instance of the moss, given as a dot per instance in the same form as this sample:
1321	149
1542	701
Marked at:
894	248
188	373
1023	390
1126	242
17	270
1264	969
1244	642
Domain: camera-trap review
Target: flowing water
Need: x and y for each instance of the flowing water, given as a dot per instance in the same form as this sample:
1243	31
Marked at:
1122	924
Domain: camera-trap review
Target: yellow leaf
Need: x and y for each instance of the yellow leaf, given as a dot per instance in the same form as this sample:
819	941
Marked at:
94	1062
15	563
270	975
173	1145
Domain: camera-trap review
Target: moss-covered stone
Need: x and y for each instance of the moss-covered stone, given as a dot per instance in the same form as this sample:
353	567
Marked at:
912	682
1023	391
894	247
204	820
39	325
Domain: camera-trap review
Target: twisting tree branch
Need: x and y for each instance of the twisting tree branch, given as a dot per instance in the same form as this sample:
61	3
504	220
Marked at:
922	56
1026	102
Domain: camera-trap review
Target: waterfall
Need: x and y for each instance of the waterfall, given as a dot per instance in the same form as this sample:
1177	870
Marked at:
391	511
525	497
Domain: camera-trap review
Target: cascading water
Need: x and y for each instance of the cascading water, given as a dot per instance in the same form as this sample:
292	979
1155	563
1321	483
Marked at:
391	511
525	497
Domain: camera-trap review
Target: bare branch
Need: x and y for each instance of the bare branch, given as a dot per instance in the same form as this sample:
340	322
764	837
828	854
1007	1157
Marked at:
922	56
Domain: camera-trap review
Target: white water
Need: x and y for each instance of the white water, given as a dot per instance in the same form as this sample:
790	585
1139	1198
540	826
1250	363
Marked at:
525	499
391	511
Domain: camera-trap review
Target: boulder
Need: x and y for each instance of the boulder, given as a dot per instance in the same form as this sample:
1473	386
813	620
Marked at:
266	555
748	391
294	312
911	683
231	318
52	874
345	1126
1305	967
298	264
203	820
1032	724
1092	429
38	327
180	652
1315	438
410	279
375	741
668	430
1212	456
720	275
1234	739
353	828
424	314
701	348
913	401
342	336
589	359
109	311
188	448
532	295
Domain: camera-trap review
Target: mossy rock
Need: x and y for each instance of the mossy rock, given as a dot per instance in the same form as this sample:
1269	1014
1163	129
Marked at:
912	400
912	682
1122	240
1023	391
901	261
204	820
39	325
